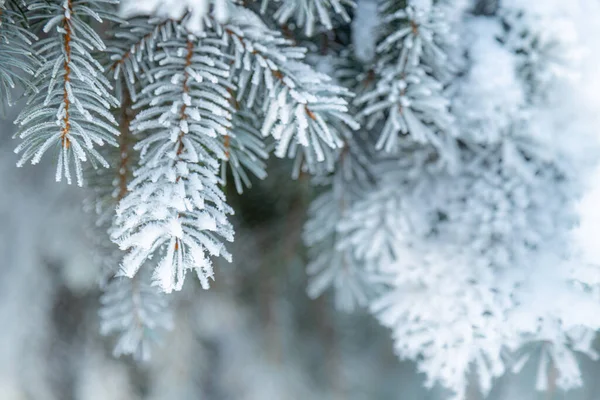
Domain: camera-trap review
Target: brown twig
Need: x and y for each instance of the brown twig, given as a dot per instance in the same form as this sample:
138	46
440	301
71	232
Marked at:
136	46
125	122
186	89
67	78
182	114
276	73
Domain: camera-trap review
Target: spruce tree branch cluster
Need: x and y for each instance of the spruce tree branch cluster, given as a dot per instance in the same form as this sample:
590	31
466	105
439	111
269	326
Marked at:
433	132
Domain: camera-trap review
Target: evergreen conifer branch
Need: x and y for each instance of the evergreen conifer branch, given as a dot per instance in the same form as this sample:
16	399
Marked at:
17	61
175	206
409	70
303	111
332	264
136	311
74	113
308	14
245	149
130	309
132	48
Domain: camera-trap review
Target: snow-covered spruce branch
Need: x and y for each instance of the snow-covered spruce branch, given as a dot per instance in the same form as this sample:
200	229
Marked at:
515	188
331	264
175	207
109	186
136	311
245	149
299	110
545	47
72	112
300	107
303	111
131	309
403	101
132	48
400	209
308	14
439	317
17	61
410	71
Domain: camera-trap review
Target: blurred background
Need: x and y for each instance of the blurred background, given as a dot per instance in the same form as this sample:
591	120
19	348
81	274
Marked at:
254	336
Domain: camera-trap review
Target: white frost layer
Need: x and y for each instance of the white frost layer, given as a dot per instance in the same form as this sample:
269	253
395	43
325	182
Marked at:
176	9
364	29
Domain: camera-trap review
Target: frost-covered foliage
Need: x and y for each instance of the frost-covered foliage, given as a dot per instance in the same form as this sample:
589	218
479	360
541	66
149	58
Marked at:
333	263
472	224
72	112
448	143
186	124
174	206
308	13
15	53
134	309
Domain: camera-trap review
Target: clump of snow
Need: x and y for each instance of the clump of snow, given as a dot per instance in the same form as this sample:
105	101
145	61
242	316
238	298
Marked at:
492	77
364	29
176	9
